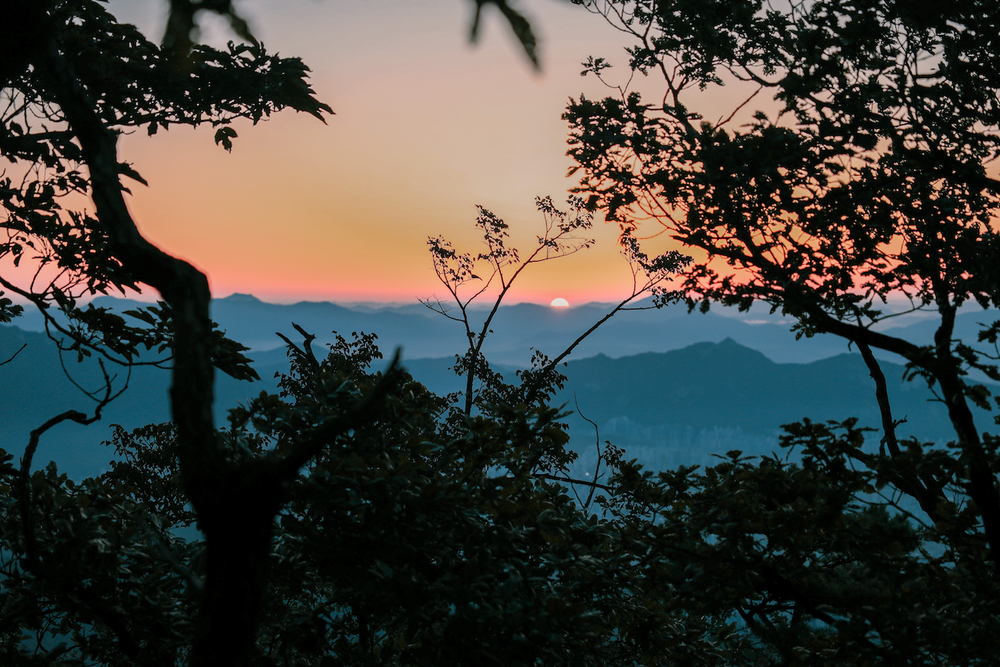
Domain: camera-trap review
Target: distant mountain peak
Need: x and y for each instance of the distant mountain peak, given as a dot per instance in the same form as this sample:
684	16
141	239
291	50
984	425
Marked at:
237	297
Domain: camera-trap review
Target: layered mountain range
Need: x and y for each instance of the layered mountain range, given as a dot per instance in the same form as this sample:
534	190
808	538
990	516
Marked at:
668	386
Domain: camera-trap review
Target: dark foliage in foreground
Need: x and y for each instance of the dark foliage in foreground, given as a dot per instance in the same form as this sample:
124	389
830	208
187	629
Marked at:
428	537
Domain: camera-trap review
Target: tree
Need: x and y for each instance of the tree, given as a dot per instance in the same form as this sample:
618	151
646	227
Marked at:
862	174
406	541
457	270
485	388
73	79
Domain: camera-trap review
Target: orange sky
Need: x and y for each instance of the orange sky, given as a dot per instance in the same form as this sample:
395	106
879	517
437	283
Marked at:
427	127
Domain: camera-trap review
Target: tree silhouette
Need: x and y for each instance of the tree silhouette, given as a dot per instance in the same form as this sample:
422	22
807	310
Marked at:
852	166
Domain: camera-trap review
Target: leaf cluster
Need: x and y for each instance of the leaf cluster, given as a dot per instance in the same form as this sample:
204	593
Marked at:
133	84
865	176
401	542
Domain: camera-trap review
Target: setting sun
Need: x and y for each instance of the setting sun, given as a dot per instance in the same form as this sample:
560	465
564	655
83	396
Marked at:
559	303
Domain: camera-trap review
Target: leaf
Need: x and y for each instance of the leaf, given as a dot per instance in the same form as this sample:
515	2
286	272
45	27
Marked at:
225	136
127	170
518	23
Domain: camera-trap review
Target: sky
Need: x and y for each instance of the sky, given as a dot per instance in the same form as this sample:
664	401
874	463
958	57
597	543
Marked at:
427	127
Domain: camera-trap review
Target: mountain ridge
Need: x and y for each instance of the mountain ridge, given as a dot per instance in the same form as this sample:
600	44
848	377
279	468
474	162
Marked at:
718	387
519	328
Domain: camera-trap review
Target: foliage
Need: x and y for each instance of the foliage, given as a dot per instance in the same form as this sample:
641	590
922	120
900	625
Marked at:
561	238
408	542
865	177
814	563
430	546
402	542
66	249
76	80
356	518
504	264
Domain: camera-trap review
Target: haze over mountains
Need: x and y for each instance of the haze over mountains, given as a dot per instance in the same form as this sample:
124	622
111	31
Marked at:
668	386
518	328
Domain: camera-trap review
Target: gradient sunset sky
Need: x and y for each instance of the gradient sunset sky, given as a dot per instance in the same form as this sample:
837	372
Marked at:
427	126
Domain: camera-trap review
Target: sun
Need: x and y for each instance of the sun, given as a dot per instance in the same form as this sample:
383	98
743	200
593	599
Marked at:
559	303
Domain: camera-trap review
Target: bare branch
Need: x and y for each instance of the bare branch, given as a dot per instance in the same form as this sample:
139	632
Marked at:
13	356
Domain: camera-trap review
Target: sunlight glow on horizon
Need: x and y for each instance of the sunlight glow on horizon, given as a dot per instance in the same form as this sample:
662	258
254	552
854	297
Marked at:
426	128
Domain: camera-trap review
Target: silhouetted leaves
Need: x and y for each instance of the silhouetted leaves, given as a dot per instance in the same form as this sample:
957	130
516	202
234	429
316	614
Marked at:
357	518
523	31
851	168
